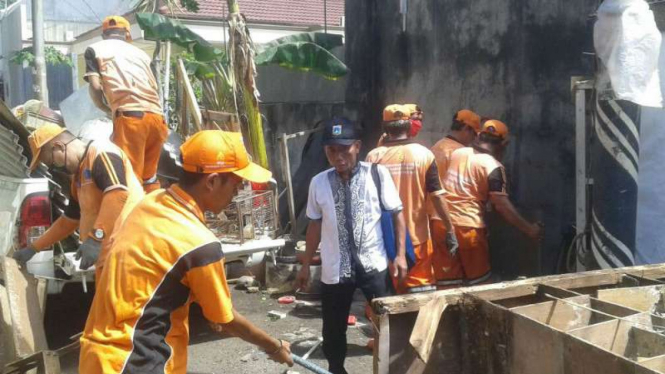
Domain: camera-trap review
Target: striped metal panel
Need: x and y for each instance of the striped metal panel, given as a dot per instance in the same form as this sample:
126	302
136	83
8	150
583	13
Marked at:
614	169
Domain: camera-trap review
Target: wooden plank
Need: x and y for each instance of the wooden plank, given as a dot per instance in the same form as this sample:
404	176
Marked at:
643	344
602	335
647	321
643	281
487	330
228	121
643	299
536	348
560	315
411	303
487	337
382	351
25	309
580	357
426	326
446	346
655	363
192	105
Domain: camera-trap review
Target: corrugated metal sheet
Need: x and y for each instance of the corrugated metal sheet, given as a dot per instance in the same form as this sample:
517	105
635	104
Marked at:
12	161
9	121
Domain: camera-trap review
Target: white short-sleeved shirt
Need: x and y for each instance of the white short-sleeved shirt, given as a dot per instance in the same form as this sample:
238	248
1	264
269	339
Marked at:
327	202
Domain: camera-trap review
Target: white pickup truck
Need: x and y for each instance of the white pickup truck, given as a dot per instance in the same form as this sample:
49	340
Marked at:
28	207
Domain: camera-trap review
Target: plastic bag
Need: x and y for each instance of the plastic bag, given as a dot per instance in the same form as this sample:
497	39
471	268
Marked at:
627	41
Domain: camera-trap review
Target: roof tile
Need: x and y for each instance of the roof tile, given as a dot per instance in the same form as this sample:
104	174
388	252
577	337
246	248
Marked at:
286	12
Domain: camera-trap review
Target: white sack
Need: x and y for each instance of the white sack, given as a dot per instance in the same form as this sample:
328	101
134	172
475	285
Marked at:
627	41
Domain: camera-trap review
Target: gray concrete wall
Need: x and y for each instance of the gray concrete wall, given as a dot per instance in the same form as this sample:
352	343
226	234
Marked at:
306	153
280	85
507	59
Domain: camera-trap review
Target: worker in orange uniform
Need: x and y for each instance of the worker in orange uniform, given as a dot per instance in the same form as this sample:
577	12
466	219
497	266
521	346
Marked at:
414	171
123	85
475	176
463	131
416	122
104	189
162	259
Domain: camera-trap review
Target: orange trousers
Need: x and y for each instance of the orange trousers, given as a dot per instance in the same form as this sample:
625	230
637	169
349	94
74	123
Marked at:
470	266
141	139
420	277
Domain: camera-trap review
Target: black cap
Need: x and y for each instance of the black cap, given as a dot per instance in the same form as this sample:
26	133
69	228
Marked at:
341	131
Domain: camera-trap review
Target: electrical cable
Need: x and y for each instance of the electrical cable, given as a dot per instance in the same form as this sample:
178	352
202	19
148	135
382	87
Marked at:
92	10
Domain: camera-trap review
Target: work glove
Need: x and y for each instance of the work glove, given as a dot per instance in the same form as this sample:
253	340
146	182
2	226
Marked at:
451	243
23	255
88	253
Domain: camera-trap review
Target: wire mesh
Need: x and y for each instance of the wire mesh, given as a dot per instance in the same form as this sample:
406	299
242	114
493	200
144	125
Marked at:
251	215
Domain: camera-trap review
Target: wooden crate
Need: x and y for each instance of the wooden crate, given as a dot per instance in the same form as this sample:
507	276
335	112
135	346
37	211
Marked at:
605	322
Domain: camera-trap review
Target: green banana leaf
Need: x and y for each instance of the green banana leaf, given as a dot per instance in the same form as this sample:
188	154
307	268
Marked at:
158	27
303	56
325	41
304	52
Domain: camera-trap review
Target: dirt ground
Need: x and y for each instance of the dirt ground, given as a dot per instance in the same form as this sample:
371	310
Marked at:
210	353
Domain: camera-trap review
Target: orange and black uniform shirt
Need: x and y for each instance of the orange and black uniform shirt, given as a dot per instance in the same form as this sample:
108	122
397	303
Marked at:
126	77
472	176
416	175
163	258
103	190
103	169
443	150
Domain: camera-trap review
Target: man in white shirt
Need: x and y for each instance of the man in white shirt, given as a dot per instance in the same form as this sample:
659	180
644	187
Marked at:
345	219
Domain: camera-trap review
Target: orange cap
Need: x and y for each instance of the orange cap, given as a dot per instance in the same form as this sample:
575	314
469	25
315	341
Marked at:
496	128
39	137
116	22
396	112
216	151
469	118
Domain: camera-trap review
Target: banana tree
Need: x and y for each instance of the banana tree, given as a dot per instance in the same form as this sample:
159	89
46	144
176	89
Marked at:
228	77
241	60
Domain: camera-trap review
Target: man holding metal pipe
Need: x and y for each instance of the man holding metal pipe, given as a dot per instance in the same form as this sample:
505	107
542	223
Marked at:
162	259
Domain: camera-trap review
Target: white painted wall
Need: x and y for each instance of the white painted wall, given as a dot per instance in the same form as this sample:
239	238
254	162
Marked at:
11	32
651	196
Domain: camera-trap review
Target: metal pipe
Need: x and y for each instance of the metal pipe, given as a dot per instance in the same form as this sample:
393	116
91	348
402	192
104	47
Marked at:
308	365
286	168
167	80
40	87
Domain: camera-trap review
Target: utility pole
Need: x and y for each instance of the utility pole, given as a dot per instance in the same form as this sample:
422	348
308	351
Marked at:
325	16
39	82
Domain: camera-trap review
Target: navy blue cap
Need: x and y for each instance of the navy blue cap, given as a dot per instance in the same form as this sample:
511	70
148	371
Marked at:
340	131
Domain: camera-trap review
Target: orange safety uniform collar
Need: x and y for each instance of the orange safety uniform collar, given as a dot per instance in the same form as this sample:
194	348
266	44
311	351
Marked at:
187	201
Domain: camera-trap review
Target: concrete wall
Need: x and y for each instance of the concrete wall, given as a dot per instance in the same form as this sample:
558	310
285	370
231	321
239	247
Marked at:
306	155
507	59
280	85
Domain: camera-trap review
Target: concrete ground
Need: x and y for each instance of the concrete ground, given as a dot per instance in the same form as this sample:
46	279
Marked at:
211	353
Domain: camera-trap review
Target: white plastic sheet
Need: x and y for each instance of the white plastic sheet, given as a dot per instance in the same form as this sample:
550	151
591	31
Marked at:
627	41
78	108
